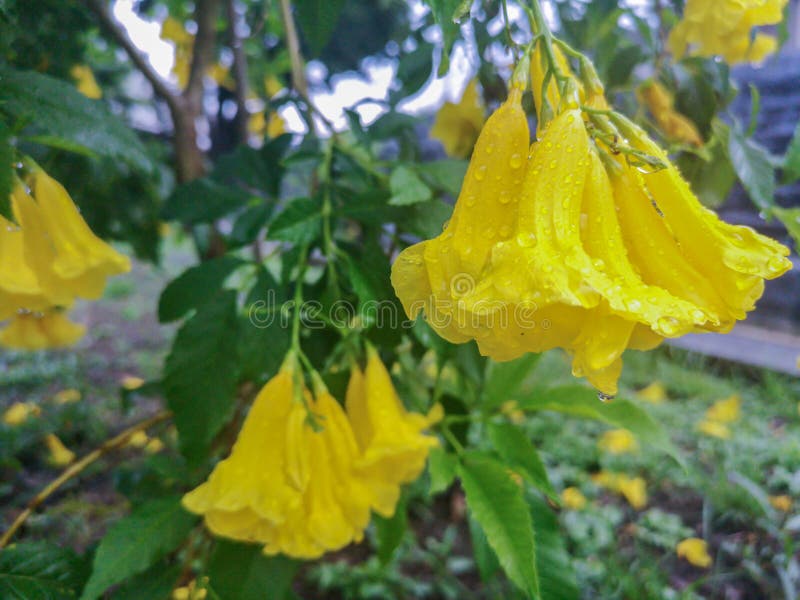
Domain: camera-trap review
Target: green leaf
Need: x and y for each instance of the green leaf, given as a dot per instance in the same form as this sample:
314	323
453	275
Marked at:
390	532
414	69
255	170
754	168
137	541
426	220
505	379
516	450
407	188
443	11
6	172
242	572
557	579
790	217
201	372
447	174
441	470
317	19
194	287
581	401
791	160
485	558
496	502
710	180
300	222
61	116
203	201
38	571
156	583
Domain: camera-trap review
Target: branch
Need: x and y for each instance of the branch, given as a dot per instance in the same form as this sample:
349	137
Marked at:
205	15
160	87
77	467
239	72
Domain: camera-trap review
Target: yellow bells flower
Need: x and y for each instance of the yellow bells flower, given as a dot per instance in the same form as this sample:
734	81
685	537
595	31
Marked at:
725	411
695	551
85	81
714	429
272	86
40	331
655	393
572	498
782	503
633	489
457	126
19	284
675	126
254	490
538	73
393	447
60	455
275	125
19	412
618	441
724	29
67	257
68	396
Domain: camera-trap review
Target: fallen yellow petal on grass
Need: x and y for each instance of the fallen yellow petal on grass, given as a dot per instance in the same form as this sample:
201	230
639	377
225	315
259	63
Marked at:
695	551
633	489
714	429
654	393
138	440
131	383
19	412
68	396
511	409
618	441
190	591
573	498
782	503
725	411
154	446
60	455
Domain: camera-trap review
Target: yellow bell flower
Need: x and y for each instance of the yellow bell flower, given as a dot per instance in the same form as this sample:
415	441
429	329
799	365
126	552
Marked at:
68	396
67	257
618	441
19	412
714	429
782	503
695	551
725	411
60	455
724	29
633	489
85	81
675	126
457	126
655	393
572	498
40	331
272	86
275	125
19	284
538	72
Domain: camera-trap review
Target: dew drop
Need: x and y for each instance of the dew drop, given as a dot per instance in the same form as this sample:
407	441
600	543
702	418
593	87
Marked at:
504	197
480	173
553	164
634	305
471	200
489	148
605	398
526	239
445	224
489	232
505	231
515	161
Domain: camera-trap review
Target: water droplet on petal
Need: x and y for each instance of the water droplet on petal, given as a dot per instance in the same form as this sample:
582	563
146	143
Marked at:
526	239
515	161
471	200
504	197
480	173
505	231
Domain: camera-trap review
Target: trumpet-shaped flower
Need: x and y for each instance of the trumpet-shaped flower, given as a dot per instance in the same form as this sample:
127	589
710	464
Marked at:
724	29
19	412
573	498
633	489
672	124
695	551
59	454
85	81
457	125
391	439
19	284
40	331
727	410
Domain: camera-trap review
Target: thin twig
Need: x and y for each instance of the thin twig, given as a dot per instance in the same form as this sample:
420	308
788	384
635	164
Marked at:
77	467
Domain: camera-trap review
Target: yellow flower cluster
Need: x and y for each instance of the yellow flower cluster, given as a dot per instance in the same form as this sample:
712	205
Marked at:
633	489
457	125
48	258
672	124
578	243
304	474
720	415
724	29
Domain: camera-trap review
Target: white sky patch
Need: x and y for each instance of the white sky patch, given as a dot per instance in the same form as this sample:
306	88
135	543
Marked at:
144	34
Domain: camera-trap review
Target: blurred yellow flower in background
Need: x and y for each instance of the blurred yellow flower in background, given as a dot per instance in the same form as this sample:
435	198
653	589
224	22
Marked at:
19	412
139	439
190	591
154	446
727	410
654	393
714	429
511	410
782	503
633	489
675	126
59	454
40	331
130	382
695	551
68	396
618	441
85	81
572	498
724	28
458	125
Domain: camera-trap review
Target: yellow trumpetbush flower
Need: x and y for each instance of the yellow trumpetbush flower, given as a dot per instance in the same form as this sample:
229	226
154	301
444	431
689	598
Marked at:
633	489
572	498
675	126
190	591
727	410
695	551
19	284
19	412
654	393
618	441
457	125
68	396
275	125
714	429
724	29
782	503
538	73
60	455
138	440
393	447
40	331
85	81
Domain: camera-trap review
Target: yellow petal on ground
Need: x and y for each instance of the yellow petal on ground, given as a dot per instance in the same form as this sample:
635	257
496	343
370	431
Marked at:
573	499
727	410
714	429
59	454
694	551
618	441
19	412
154	446
131	383
68	396
654	393
138	440
782	503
